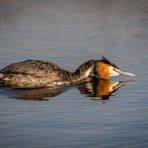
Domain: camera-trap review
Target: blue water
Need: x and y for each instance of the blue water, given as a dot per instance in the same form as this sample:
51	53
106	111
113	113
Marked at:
69	32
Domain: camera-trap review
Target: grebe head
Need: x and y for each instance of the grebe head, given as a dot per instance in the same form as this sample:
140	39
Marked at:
104	69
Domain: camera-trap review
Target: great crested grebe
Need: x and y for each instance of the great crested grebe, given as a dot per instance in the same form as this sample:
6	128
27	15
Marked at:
38	74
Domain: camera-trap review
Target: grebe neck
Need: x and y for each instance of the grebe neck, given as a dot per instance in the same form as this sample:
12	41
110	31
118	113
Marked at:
81	73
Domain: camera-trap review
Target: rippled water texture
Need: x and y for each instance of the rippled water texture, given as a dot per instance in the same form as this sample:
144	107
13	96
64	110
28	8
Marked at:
69	32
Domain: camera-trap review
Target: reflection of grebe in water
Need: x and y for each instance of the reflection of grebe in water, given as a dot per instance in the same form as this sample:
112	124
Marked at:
101	88
95	88
40	74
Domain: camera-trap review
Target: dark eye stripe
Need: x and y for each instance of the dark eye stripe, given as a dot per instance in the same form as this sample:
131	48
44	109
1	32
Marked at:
115	70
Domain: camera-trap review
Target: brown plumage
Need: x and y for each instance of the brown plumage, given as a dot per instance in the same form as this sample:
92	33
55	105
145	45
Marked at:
35	73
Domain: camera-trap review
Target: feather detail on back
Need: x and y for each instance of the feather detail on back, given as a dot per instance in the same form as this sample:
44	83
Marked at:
31	67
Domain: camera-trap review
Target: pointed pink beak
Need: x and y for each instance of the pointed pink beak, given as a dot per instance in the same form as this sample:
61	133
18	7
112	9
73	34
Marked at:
125	73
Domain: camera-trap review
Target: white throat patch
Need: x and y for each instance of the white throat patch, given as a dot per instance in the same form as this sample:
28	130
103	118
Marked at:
112	72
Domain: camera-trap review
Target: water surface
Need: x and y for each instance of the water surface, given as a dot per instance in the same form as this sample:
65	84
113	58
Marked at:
69	32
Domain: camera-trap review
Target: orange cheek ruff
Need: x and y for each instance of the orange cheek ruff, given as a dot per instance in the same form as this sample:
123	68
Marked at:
102	70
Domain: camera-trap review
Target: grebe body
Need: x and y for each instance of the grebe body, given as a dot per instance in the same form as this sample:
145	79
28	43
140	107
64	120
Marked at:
35	73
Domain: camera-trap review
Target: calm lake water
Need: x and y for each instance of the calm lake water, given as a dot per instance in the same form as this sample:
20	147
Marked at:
69	32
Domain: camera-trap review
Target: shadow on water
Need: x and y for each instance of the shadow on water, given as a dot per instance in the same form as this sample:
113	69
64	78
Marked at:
96	89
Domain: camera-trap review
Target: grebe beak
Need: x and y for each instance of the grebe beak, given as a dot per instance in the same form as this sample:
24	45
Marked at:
123	73
115	71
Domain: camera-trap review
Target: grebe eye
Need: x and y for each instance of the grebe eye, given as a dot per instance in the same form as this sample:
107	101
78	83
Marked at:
115	69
